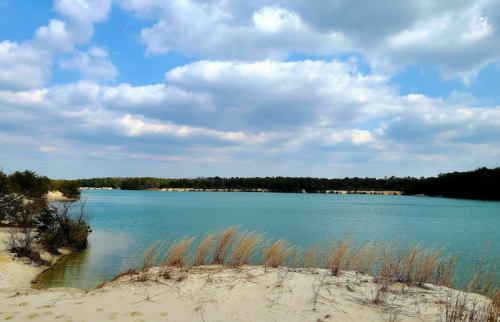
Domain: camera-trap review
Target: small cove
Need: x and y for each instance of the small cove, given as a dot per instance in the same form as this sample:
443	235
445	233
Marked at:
124	222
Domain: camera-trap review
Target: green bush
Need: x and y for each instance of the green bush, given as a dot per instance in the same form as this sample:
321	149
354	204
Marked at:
63	224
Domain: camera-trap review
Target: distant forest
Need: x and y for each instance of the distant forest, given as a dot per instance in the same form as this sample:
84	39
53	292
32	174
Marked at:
483	184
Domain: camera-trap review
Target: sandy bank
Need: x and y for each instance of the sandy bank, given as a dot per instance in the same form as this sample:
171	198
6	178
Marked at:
227	294
55	196
20	272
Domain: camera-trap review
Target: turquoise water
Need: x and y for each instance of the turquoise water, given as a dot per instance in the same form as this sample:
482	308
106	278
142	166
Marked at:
125	221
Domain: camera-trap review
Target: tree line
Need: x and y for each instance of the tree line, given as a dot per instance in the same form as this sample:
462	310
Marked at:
482	183
35	186
33	224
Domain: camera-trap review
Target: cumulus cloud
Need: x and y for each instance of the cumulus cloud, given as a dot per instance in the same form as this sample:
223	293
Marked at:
28	65
225	30
299	113
457	37
243	108
91	65
23	66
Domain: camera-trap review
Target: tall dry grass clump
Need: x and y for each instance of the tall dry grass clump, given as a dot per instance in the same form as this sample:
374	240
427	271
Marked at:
466	307
390	263
177	254
310	259
224	240
277	254
203	248
245	248
334	260
484	277
362	259
416	265
151	256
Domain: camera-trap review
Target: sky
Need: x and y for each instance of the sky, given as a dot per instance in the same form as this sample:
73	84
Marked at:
189	88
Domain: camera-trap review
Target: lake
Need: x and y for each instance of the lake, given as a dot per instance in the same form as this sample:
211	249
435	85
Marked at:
124	222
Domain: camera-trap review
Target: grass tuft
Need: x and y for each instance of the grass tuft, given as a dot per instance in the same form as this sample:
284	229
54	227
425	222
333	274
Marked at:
245	248
277	254
177	254
224	241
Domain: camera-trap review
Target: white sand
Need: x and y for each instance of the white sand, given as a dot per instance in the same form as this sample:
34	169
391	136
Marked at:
16	272
56	196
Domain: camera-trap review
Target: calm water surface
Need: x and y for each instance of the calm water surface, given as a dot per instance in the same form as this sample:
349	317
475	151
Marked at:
125	221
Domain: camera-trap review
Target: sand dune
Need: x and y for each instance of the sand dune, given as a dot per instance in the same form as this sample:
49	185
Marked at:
227	294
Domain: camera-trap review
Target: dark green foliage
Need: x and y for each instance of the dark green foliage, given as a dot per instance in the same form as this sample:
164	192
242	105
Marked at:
29	184
69	188
4	184
64	224
481	184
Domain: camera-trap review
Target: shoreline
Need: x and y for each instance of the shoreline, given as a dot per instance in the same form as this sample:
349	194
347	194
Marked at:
20	272
340	192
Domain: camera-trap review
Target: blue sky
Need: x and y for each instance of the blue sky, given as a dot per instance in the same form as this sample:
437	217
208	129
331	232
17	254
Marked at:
186	88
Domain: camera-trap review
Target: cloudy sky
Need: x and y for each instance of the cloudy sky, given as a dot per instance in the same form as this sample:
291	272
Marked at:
187	88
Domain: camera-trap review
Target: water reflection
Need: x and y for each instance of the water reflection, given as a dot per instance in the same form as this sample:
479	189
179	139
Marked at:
87	268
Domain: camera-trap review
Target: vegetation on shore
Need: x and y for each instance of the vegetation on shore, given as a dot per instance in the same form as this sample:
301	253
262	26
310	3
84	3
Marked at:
481	184
389	264
35	223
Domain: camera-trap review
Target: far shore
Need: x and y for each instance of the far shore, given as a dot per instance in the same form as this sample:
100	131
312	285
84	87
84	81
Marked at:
339	192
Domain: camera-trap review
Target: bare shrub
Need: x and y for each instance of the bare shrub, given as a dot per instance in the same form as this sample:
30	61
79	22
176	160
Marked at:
465	307
22	242
64	224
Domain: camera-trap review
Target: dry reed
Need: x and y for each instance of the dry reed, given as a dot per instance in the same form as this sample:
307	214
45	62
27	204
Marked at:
224	242
334	260
245	248
277	254
389	263
203	247
177	254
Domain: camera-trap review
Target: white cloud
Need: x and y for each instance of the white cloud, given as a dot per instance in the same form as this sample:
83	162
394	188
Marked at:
54	37
295	113
28	65
274	19
457	37
90	66
98	52
23	66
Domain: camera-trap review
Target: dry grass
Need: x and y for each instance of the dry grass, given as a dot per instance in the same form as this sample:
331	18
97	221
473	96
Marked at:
335	259
483	278
276	255
465	307
245	248
203	248
390	263
152	254
177	254
224	241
